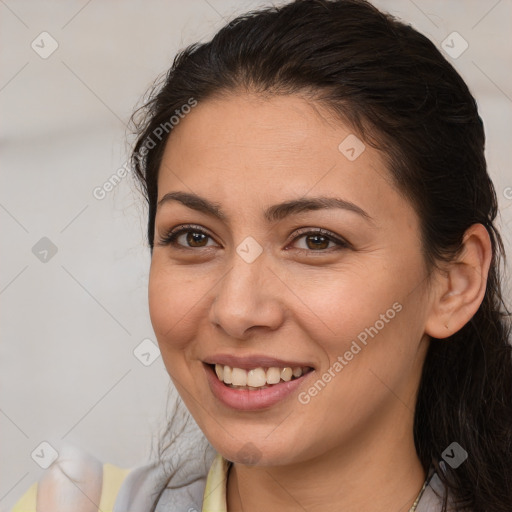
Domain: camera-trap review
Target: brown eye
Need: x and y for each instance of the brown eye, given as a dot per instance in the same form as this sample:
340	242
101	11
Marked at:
187	237
319	240
196	239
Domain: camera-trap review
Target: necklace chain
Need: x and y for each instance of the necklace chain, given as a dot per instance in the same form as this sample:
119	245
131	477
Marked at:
416	501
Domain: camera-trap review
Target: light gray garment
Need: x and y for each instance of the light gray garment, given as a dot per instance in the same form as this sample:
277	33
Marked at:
142	486
432	497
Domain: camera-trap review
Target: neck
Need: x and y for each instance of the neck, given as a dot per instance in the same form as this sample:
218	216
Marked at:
377	470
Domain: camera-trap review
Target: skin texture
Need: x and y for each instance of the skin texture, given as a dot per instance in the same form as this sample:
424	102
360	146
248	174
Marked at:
351	446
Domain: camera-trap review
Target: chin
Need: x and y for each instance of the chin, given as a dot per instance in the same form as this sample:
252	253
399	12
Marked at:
254	452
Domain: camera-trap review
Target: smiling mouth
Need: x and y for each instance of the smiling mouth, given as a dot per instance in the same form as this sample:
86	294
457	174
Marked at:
257	378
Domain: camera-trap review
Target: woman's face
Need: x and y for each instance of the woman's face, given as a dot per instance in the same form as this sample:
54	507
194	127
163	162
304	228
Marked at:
255	288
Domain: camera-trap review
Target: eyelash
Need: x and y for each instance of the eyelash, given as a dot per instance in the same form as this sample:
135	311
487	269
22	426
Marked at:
171	237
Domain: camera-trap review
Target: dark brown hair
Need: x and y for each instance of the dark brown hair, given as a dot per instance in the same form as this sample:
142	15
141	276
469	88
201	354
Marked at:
400	95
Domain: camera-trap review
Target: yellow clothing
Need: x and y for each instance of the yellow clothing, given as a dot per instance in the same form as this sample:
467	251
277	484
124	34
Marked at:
113	477
216	482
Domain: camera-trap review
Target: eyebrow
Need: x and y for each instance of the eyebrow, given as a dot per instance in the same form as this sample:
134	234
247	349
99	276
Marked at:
271	214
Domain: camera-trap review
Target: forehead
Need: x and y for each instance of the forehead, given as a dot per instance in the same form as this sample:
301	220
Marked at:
274	126
244	149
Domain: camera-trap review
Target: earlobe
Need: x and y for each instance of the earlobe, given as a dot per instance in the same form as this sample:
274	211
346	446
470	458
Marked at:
460	288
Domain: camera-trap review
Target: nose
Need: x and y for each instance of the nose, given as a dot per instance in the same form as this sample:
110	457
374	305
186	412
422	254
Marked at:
248	299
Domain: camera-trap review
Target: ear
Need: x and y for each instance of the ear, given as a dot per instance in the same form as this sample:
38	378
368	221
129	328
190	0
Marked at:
458	290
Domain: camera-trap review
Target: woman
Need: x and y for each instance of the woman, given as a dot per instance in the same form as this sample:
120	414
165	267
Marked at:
324	281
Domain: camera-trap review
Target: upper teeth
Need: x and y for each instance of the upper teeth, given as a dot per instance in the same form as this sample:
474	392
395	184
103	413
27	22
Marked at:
257	377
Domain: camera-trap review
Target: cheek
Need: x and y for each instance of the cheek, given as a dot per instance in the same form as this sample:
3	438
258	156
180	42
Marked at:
173	303
371	368
370	320
345	305
374	347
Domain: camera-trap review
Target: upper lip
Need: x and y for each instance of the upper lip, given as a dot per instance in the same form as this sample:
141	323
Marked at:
254	361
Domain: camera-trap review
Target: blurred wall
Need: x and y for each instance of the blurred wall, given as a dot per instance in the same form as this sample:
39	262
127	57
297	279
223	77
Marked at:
78	360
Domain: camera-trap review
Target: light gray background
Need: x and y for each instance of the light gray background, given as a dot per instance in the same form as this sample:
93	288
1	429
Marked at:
69	326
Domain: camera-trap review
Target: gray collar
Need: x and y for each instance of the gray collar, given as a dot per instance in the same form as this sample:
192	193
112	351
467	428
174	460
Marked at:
182	492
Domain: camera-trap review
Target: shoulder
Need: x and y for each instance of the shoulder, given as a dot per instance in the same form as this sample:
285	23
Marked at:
75	481
177	484
434	495
80	482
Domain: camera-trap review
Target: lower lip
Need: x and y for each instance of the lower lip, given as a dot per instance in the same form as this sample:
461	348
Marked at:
245	400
